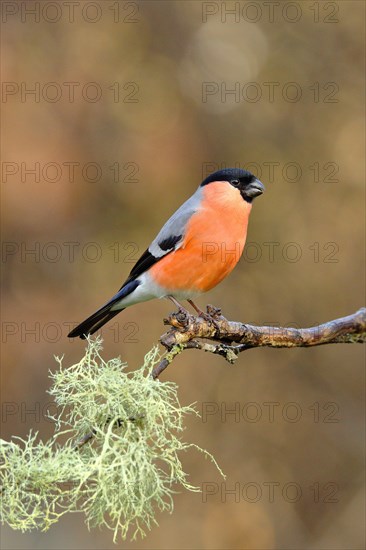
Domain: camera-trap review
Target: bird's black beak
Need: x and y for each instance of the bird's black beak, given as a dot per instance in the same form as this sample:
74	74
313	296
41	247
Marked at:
254	189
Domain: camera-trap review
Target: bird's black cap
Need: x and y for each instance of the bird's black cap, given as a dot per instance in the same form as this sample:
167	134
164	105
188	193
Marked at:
227	174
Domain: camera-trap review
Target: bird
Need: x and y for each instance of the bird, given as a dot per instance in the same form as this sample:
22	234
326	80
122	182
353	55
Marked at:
195	250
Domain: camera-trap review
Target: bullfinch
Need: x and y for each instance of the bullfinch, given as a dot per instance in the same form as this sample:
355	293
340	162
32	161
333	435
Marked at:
196	249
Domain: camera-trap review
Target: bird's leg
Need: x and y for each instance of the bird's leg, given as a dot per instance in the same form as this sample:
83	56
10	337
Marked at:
183	316
199	311
179	306
210	315
207	316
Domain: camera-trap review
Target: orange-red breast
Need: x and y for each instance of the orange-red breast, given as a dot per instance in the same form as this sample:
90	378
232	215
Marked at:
197	247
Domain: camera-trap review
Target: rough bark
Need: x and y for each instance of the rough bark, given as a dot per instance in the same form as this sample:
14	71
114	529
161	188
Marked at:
229	338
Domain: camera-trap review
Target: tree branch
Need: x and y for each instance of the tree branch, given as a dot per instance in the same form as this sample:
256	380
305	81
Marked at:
187	331
235	337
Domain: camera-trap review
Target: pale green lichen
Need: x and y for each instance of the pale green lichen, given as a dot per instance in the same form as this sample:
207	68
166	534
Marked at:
124	474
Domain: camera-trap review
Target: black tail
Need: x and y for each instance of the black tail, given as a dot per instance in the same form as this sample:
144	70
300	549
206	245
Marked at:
103	315
93	323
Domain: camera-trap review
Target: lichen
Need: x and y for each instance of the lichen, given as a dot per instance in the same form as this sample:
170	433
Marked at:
128	470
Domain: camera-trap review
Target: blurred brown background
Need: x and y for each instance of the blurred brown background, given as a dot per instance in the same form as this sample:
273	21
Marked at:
131	107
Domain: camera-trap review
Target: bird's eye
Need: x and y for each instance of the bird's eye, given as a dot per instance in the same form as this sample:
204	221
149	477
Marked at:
235	183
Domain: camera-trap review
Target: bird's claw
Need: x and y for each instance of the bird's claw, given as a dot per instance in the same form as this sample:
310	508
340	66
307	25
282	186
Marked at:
211	316
183	316
179	319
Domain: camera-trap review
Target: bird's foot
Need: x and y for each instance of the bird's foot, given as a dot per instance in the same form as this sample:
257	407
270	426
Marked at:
181	318
212	315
